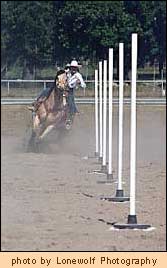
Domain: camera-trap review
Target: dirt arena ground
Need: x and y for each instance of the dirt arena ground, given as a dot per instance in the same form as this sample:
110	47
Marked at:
50	200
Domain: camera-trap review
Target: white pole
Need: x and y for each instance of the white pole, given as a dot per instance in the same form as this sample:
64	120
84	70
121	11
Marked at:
132	219
104	111
110	111
120	137
119	197
101	110
96	113
133	126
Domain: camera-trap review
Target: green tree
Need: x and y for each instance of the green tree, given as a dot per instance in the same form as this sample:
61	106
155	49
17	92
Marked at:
39	33
151	16
29	28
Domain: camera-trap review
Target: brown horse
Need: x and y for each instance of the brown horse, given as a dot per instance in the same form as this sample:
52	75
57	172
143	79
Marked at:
51	112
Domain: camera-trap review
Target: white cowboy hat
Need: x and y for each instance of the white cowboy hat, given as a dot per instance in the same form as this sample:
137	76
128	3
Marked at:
74	63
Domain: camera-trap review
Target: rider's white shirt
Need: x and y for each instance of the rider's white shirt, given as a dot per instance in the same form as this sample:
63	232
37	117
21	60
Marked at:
73	81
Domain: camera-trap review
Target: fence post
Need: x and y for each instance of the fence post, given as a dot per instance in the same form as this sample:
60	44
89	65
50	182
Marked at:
162	83
44	85
154	74
84	92
8	88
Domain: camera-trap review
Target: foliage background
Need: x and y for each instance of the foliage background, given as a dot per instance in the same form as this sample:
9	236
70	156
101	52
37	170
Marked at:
38	36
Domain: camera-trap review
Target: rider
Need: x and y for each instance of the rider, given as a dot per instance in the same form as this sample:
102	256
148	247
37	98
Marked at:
74	79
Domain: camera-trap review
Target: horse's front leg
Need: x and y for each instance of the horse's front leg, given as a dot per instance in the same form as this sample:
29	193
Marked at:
37	125
33	141
53	121
47	126
46	131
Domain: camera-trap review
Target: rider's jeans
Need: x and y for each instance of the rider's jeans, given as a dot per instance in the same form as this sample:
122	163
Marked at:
71	102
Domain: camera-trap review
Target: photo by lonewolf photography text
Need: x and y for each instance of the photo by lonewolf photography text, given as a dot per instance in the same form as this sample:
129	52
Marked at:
83	132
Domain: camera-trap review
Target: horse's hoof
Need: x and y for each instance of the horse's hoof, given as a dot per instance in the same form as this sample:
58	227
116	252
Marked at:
68	124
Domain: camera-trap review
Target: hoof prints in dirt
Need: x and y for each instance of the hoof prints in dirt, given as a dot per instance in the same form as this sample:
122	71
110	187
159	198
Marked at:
48	144
106	222
87	195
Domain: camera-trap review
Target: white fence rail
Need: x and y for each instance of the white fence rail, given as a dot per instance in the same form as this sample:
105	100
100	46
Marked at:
8	87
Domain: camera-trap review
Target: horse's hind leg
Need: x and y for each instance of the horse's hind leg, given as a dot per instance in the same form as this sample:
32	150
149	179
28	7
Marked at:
32	145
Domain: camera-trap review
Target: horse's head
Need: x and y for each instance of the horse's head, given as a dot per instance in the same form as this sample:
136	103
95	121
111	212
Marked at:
62	86
61	81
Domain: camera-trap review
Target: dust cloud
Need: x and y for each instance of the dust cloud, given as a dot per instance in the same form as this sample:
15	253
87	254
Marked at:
50	199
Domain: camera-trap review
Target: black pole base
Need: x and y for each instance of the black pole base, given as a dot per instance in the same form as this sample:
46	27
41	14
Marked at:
131	224
108	181
132	219
116	199
119	197
96	154
93	156
100	159
110	177
104	169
